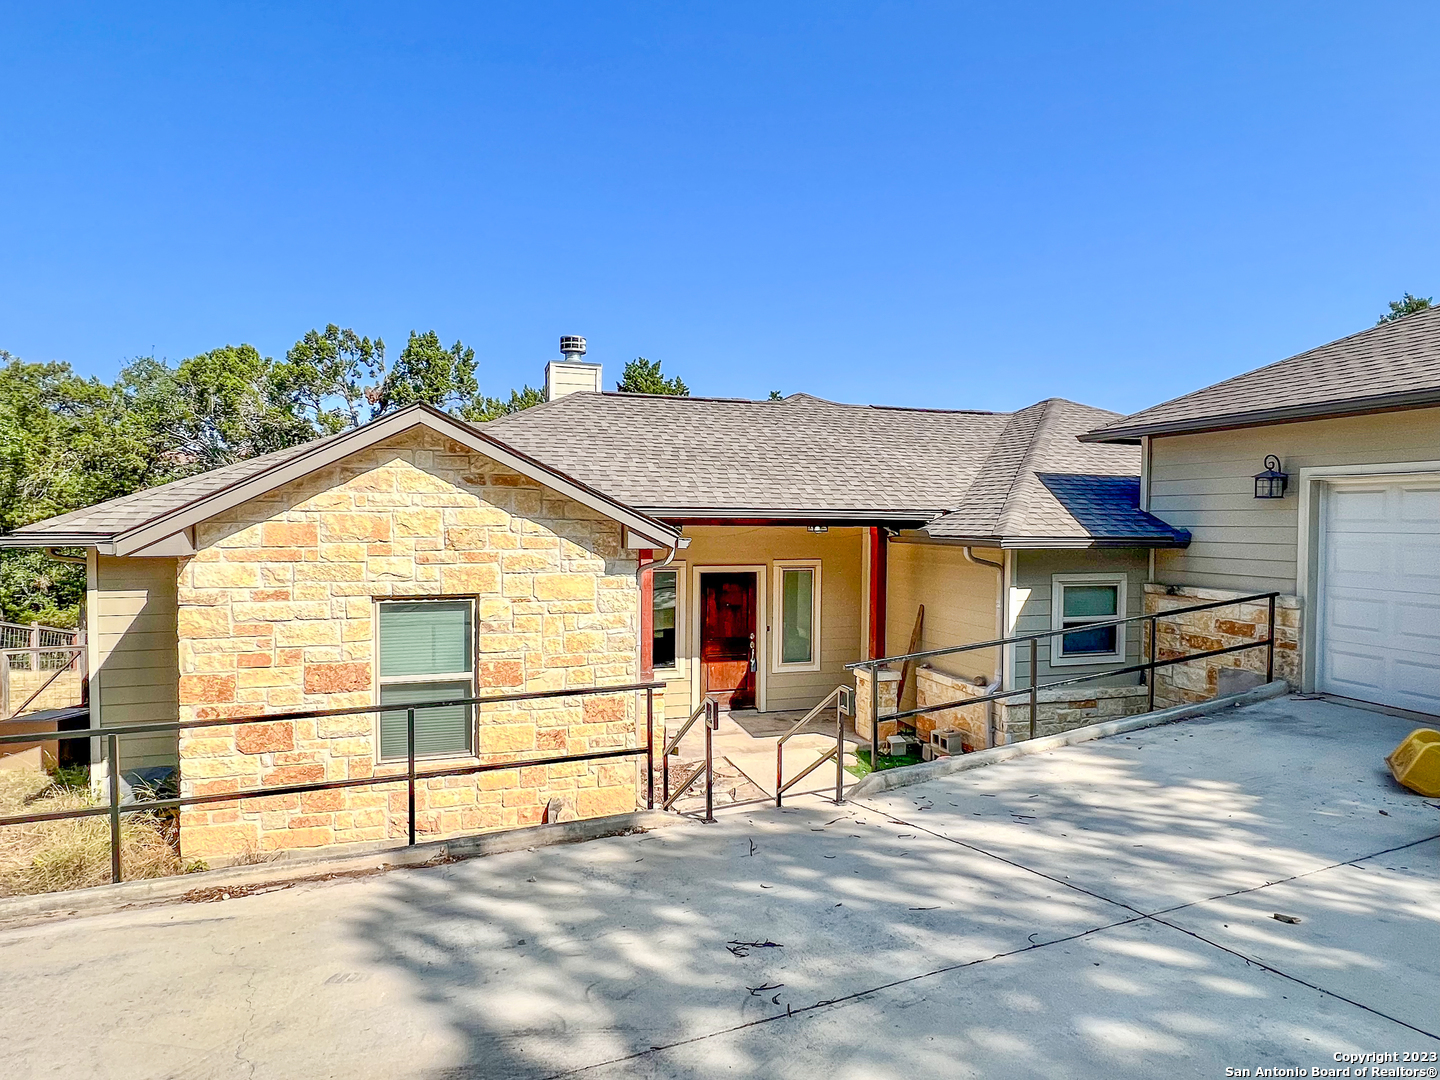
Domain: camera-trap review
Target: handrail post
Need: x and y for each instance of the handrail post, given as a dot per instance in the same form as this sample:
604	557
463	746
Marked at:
664	764
839	750
1150	674
410	763
779	771
1034	682
650	749
1270	644
875	718
112	750
712	720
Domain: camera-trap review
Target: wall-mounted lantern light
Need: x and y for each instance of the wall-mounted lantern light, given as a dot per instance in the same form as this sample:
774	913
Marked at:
1270	484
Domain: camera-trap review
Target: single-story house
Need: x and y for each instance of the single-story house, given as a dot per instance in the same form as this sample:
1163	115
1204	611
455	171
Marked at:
1350	535
743	549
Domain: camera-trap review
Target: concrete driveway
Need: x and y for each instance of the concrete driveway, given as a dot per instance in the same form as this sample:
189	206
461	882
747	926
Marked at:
1103	910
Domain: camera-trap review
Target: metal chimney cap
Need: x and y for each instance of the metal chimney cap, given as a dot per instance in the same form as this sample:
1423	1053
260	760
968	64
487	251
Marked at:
572	346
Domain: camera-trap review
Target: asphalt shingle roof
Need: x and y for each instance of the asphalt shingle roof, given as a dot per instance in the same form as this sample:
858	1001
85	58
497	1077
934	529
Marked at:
971	475
131	511
1395	364
978	476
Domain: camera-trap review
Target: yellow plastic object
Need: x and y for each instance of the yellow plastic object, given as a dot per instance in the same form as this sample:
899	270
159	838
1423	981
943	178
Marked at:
1416	762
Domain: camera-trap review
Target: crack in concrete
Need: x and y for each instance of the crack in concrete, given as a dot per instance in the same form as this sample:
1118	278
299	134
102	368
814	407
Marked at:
1138	917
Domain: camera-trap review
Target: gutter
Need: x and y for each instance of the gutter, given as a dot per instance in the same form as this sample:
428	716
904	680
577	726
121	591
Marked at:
1408	399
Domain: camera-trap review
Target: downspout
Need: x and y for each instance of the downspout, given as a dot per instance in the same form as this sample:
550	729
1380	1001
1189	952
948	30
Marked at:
78	560
82	637
971	557
640	571
999	676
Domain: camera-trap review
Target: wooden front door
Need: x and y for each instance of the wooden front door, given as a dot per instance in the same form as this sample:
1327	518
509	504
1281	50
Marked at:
727	638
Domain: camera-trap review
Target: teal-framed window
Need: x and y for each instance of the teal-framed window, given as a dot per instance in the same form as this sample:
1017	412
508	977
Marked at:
1078	600
797	615
426	652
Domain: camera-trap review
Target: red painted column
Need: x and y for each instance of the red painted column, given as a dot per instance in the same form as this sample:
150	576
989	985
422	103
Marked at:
647	618
879	560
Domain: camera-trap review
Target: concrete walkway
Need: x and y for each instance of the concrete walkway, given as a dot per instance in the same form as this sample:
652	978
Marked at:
1104	910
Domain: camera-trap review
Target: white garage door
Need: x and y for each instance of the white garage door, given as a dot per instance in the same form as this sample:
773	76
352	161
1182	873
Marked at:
1380	594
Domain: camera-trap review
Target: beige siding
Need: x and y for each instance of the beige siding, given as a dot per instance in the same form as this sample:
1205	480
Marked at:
136	675
1032	579
960	605
841	601
1204	483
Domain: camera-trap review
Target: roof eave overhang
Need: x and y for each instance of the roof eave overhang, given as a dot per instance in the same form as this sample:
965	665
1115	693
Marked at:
1410	399
1024	543
103	543
144	536
713	515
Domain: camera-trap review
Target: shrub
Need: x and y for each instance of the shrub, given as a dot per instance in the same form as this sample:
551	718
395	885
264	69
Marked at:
49	856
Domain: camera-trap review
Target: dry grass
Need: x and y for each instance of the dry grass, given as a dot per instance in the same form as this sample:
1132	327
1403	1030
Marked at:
49	856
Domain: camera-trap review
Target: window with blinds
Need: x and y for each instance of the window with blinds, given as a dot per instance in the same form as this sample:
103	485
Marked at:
1078	600
427	650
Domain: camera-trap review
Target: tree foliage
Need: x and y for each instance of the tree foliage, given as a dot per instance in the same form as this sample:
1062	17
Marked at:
1406	305
68	441
643	376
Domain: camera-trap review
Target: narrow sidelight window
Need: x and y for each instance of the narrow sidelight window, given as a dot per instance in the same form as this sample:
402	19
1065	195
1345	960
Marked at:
1082	599
426	654
664	588
798	590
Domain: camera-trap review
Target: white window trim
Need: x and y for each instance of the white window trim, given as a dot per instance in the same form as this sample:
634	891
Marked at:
1057	618
677	669
778	638
473	675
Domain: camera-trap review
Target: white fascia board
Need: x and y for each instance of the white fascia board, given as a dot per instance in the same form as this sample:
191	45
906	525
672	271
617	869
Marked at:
639	540
376	431
55	539
174	546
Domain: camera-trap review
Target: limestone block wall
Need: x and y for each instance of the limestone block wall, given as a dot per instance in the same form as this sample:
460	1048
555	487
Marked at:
277	612
935	687
1068	708
1217	628
889	686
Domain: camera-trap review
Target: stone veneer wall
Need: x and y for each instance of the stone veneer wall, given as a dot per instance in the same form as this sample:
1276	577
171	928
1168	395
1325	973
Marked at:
1070	708
889	687
276	613
1057	710
1217	628
935	687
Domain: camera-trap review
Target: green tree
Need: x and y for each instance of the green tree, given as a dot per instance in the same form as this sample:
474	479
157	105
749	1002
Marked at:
489	408
43	471
643	376
775	395
427	371
325	378
1406	305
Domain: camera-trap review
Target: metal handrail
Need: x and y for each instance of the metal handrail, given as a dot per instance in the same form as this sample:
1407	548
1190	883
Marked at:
710	709
843	697
411	775
1255	598
1033	641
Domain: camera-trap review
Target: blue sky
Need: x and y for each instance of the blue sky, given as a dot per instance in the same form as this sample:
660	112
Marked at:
933	204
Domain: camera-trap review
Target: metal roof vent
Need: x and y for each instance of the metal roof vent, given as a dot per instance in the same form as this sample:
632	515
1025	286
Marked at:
572	348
